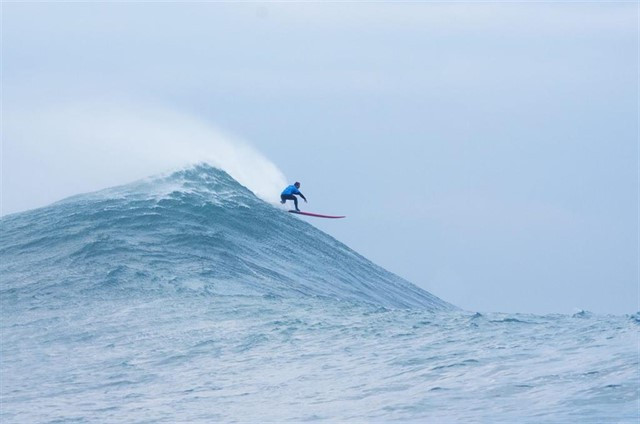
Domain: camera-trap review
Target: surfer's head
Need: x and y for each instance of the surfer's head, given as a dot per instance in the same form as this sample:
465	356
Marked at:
297	184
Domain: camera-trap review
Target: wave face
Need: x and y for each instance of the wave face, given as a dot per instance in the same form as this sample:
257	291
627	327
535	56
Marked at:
196	229
185	298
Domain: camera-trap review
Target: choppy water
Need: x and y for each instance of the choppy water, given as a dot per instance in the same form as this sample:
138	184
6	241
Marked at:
195	358
127	307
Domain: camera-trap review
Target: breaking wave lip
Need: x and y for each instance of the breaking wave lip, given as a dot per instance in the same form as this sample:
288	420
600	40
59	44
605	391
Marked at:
135	139
198	180
193	228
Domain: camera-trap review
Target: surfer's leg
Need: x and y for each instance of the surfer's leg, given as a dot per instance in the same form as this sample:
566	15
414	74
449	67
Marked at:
285	197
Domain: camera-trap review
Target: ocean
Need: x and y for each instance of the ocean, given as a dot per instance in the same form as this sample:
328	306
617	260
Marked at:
185	298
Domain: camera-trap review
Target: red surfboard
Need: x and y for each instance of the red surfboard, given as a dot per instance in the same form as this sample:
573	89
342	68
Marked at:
317	215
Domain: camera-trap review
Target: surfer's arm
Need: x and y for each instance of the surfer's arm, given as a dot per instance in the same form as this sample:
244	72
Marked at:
302	195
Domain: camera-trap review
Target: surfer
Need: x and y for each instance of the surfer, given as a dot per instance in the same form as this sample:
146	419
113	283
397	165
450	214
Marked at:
289	192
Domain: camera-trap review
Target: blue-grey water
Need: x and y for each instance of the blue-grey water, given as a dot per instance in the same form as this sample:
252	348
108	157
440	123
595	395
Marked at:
184	298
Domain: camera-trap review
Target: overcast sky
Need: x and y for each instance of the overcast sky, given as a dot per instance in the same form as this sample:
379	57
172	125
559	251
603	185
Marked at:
486	152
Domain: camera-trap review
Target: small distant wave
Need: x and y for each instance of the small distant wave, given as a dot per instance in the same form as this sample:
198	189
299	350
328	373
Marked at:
511	320
582	314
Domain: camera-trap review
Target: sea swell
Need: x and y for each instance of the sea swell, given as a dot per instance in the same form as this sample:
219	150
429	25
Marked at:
196	358
185	298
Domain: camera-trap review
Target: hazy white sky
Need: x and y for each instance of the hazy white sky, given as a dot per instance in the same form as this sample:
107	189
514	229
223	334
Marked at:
487	152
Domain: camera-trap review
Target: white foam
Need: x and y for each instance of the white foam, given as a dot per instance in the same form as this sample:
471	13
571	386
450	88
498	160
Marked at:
82	147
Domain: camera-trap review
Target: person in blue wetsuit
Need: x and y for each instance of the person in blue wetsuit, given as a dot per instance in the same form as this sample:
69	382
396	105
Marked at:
289	192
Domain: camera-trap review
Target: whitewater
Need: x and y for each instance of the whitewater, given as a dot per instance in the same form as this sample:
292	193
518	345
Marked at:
186	298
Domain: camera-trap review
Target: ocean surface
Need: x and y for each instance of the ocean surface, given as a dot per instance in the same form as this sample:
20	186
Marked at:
185	298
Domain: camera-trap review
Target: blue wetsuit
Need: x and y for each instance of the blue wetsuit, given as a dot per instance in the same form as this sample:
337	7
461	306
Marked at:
288	194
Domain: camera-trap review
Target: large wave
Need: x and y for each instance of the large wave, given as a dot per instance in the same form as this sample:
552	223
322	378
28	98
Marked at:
196	229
